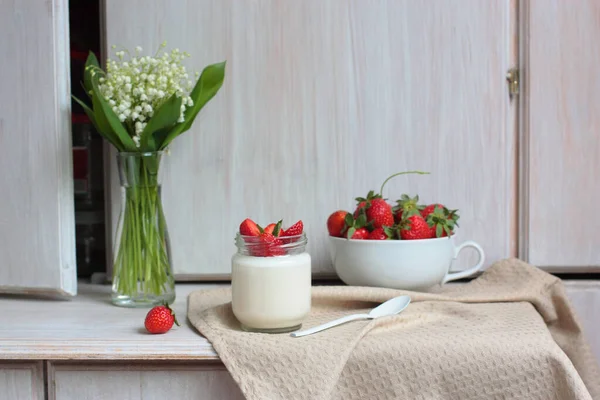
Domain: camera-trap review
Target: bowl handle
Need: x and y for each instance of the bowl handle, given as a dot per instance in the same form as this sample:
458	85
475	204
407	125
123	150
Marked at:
450	276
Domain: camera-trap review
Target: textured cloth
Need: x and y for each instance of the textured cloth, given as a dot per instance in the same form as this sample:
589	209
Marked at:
509	334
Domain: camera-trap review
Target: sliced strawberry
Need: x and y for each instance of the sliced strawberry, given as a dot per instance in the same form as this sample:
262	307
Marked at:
249	228
274	229
267	245
269	228
293	230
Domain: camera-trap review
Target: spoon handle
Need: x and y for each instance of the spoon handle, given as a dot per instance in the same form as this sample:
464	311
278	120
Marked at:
330	324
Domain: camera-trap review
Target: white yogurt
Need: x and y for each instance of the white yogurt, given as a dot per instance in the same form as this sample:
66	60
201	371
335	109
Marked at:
271	293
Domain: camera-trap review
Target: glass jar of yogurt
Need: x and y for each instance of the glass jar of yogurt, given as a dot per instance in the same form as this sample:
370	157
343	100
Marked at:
271	286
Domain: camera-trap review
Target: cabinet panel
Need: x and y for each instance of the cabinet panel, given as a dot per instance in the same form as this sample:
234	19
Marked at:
21	381
585	298
139	382
322	101
37	225
562	154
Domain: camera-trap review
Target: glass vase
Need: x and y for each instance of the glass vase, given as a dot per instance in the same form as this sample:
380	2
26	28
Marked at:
142	270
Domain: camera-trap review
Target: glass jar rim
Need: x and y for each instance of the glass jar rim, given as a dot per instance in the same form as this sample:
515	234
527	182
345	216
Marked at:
289	242
288	245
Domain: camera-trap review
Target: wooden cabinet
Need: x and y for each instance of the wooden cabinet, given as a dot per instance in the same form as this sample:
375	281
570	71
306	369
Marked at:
322	101
21	380
94	351
140	381
561	131
37	228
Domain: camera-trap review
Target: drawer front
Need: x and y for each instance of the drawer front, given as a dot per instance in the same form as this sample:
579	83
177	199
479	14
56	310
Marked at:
155	381
21	381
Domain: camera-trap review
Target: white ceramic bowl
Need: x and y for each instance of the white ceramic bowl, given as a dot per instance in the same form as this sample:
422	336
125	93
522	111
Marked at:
399	264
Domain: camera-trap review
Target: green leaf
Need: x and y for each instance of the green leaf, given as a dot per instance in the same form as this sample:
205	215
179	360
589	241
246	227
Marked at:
277	228
90	63
351	232
349	219
206	88
109	119
438	231
157	128
361	221
107	134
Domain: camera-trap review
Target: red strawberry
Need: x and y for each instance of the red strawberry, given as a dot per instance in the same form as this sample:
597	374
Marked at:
415	227
249	228
353	225
269	228
429	209
293	230
378	211
362	205
336	223
384	233
160	319
360	234
267	245
406	207
440	222
274	229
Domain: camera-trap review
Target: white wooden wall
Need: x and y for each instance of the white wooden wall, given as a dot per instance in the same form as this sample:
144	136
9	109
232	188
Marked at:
322	101
37	228
561	153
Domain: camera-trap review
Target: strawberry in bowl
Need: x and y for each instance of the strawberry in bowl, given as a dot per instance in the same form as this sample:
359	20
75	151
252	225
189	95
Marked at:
408	246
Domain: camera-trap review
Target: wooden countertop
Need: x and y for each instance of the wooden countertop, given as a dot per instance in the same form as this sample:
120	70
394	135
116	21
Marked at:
89	327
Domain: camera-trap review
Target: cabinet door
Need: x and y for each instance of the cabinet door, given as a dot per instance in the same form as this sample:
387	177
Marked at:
37	228
22	381
322	101
561	158
141	382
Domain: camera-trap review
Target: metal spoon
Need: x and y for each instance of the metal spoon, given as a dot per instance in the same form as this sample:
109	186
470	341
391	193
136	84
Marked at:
390	307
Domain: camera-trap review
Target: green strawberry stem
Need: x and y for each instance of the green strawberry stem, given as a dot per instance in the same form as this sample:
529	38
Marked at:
400	173
142	262
172	313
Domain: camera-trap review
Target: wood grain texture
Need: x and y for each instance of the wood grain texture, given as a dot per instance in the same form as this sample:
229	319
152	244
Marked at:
90	327
139	381
585	298
22	381
37	228
563	150
322	101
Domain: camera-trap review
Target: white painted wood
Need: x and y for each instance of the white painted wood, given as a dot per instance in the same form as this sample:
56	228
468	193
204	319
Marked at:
142	382
585	298
90	327
21	381
562	118
322	101
37	228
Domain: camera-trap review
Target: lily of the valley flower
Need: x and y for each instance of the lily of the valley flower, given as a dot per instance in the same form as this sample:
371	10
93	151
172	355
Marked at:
137	85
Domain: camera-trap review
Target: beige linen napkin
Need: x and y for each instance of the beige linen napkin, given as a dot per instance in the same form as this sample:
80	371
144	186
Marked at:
509	334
